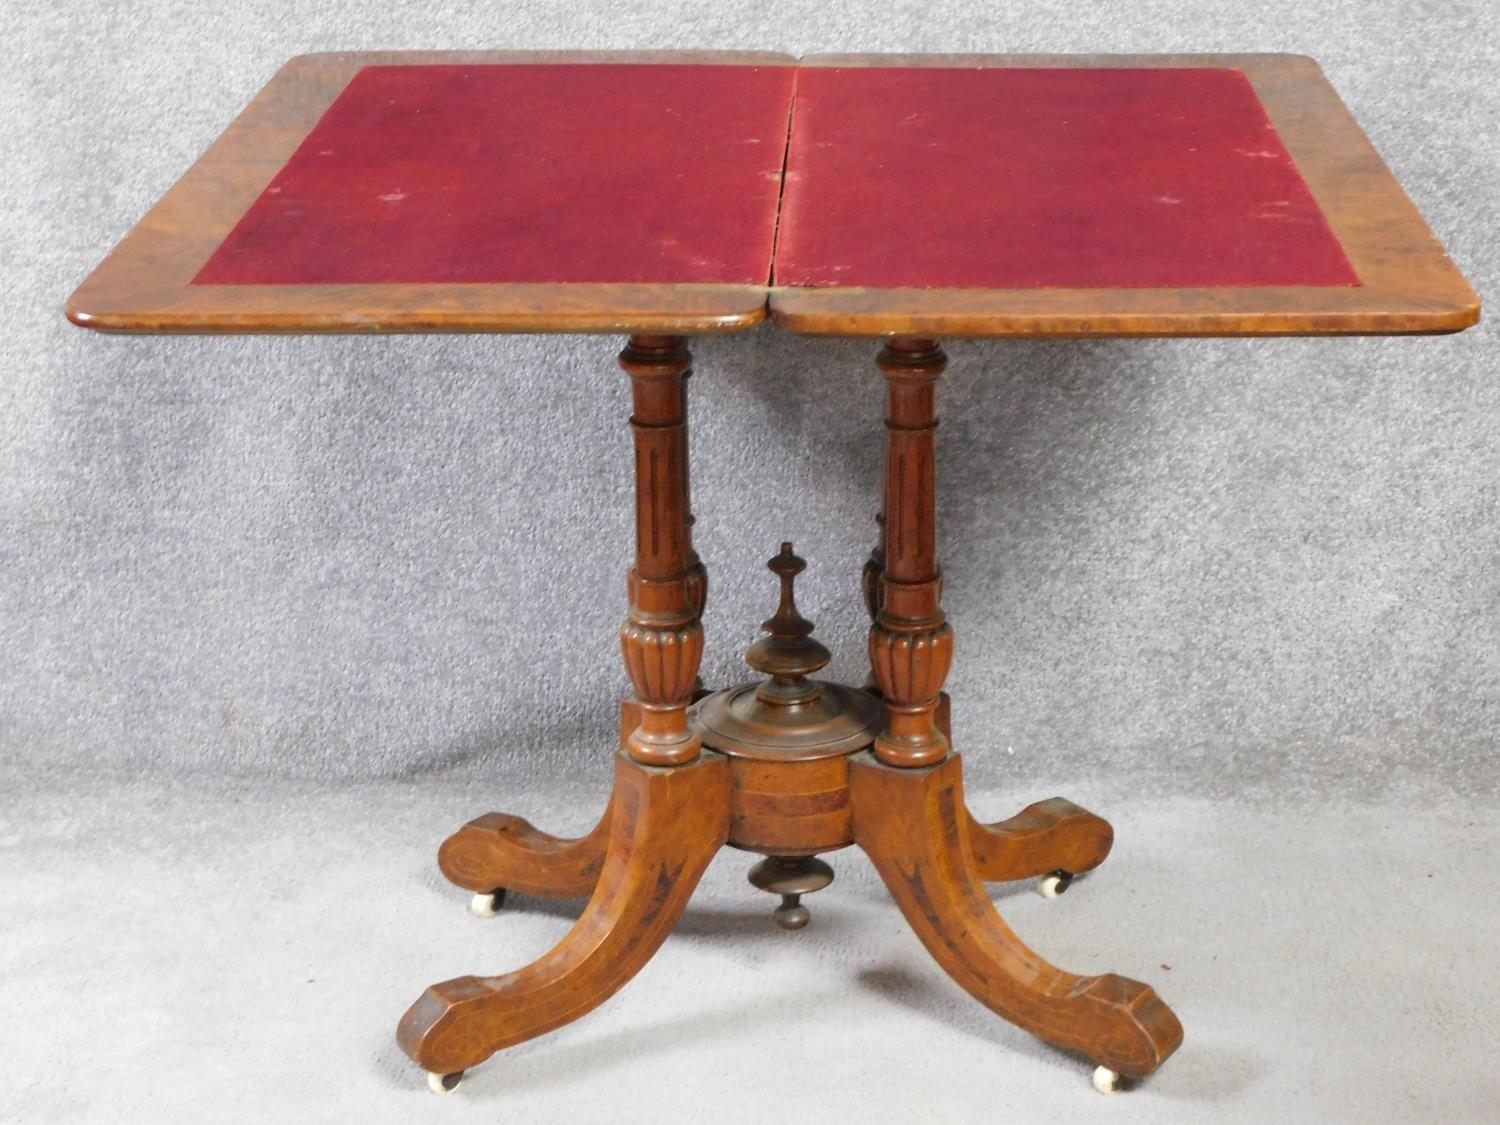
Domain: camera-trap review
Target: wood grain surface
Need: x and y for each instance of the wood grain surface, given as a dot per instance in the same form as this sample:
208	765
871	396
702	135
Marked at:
499	851
1410	286
145	284
912	824
1047	836
666	827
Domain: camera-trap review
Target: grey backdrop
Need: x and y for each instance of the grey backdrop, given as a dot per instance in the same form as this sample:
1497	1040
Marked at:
277	614
1199	565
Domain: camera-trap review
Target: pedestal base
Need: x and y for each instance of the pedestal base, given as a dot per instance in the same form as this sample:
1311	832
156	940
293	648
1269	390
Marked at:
790	767
640	865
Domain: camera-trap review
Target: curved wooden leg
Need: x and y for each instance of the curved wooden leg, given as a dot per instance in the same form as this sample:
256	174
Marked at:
498	850
1051	835
666	826
913	825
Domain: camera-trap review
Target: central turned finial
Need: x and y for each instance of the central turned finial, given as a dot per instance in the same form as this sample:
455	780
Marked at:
789	655
783	735
787	716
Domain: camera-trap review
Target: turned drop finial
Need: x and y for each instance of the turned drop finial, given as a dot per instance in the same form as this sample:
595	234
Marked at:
791	877
789	654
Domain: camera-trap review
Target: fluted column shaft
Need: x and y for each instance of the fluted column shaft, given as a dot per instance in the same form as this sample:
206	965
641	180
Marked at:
911	643
662	638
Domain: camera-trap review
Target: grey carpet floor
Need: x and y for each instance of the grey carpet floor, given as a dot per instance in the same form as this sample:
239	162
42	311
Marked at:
244	957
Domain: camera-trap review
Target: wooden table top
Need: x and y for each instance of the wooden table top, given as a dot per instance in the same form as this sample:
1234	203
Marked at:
1406	283
447	191
931	195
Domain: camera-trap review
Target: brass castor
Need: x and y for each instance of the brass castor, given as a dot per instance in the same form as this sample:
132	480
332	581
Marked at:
791	878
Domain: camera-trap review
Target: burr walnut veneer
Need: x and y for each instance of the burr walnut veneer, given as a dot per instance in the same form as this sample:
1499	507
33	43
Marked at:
902	197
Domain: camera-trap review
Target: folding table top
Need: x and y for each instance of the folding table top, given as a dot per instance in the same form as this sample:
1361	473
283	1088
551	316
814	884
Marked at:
687	192
1096	195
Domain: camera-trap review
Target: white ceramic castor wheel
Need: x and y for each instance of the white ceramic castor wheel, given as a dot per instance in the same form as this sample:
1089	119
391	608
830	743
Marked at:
444	1083
488	905
1107	1081
1053	885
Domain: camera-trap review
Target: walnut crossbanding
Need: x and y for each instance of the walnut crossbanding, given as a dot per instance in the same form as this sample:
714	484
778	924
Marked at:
389	253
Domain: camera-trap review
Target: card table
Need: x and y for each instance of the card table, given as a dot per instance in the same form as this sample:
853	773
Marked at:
899	197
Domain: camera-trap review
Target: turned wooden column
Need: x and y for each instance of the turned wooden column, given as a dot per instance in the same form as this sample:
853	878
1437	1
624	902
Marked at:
911	644
662	638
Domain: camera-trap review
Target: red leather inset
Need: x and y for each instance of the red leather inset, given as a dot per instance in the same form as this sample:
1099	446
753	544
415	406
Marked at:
1013	178
526	173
